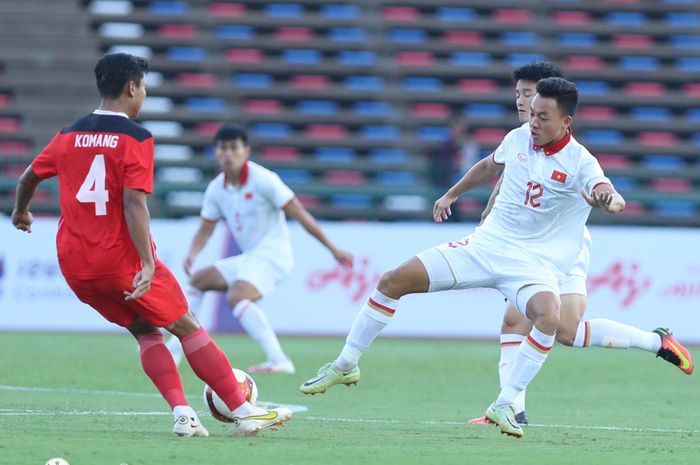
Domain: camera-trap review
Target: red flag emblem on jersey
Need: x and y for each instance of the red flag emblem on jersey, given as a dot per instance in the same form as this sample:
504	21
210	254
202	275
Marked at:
249	195
559	176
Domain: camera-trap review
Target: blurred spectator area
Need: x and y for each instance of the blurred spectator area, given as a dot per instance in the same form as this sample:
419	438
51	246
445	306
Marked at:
344	99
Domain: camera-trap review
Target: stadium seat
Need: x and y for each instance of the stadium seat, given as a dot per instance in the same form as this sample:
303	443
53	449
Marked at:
470	59
162	7
478	111
5	100
593	87
414	59
651	114
469	205
663	162
603	136
688	64
9	125
488	136
207	129
373	108
157	105
632	41
637	63
682	19
692	114
356	58
186	53
691	90
350	201
520	38
645	89
283	10
657	138
121	30
301	56
516	60
596	113
310	81
339	11
336	154
379	132
571	18
477	86
136	50
309	201
262	106
691	42
206	104
326	131
577	39
111	7
178	31
400	13
252	80
421	84
584	63
388	156
623	183
433	133
294	176
347	34
451	14
396	178
14	147
279	153
675	208
364	83
695	139
221	9
515	16
343	177
271	130
463	37
244	55
234	32
405	203
317	107
407	36
173	152
626	18
430	110
614	161
164	128
294	34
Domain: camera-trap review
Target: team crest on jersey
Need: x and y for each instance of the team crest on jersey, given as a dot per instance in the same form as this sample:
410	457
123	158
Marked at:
248	195
559	176
522	156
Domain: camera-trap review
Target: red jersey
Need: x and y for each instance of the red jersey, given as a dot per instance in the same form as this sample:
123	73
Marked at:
95	158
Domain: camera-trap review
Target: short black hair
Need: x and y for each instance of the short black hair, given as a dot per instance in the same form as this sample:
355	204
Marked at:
231	132
536	71
114	70
563	91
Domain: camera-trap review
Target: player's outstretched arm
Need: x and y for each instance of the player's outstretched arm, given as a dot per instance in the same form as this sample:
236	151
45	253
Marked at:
606	198
27	183
481	173
296	210
200	239
137	220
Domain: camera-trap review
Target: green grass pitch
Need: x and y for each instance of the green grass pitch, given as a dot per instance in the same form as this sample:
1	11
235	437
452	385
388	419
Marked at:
84	397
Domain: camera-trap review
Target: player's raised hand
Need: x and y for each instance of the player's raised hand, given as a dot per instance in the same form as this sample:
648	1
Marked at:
22	220
601	198
344	257
142	283
442	208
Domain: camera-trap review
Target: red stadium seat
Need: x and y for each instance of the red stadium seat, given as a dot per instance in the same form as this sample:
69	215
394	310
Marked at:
596	113
5	100
430	110
675	185
691	90
645	89
262	106
584	62
233	10
344	178
309	201
200	80
614	162
414	58
14	147
463	37
310	81
9	125
400	13
633	208
508	16
489	135
294	34
326	131
571	18
178	31
207	129
469	205
245	55
632	41
657	138
477	86
279	153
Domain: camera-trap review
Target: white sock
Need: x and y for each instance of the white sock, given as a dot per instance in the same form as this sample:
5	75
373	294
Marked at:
374	316
186	410
194	302
255	323
614	335
510	344
247	409
532	353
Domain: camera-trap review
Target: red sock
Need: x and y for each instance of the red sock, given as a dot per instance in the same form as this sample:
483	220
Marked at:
160	367
210	364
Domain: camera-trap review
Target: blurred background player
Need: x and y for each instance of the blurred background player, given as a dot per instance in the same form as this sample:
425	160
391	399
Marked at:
253	201
533	235
104	164
572	331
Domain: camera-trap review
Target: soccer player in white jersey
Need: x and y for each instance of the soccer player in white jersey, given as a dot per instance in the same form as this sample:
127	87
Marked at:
253	201
572	330
532	236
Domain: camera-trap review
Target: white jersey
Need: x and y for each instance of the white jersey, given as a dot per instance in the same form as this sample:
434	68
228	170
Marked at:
540	208
253	212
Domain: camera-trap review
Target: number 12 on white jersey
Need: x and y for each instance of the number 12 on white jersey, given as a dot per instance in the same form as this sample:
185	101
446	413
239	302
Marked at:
93	188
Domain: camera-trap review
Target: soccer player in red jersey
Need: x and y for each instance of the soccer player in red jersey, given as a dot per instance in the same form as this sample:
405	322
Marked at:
104	164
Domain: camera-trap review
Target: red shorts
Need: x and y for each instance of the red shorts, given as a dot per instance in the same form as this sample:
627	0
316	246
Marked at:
162	305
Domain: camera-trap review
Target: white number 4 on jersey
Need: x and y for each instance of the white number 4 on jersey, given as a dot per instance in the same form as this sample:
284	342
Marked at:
93	188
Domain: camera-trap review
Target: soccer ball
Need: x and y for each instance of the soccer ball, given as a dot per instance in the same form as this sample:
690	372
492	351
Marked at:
218	408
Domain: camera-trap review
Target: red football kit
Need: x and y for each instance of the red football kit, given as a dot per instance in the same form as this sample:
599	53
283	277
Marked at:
95	159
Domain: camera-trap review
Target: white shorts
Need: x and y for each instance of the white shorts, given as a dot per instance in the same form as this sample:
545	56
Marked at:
260	272
574	282
465	264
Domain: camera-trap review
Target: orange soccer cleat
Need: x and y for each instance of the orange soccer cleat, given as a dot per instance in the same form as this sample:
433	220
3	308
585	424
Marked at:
673	351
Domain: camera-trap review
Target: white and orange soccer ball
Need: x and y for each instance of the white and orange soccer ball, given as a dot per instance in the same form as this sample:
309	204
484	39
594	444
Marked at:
218	408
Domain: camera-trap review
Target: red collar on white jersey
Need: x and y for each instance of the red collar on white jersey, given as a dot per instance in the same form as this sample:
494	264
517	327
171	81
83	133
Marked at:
242	176
554	147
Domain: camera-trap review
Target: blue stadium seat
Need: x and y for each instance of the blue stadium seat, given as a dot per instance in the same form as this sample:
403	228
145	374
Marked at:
675	208
470	59
206	104
593	87
336	154
455	14
388	155
693	114
168	8
685	41
271	130
663	162
695	139
372	108
186	53
350	201
371	83
626	18
636	63
682	19
681	2
379	132
317	107
284	10
227	31
342	11
421	84
485	110
294	176
577	39
433	133
407	36
519	38
651	114
603	136
516	60
253	80
356	57
688	64
296	56
396	178
347	34
623	183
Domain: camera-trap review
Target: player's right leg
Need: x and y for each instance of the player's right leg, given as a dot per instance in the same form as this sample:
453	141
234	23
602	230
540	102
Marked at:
408	278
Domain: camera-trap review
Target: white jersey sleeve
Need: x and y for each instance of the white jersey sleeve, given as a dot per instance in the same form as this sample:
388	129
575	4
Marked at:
503	154
275	190
210	208
590	174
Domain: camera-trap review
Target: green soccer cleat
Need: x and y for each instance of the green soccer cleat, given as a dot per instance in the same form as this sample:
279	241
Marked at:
673	351
504	417
327	376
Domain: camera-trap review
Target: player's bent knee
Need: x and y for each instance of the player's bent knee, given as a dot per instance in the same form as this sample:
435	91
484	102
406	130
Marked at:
565	337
